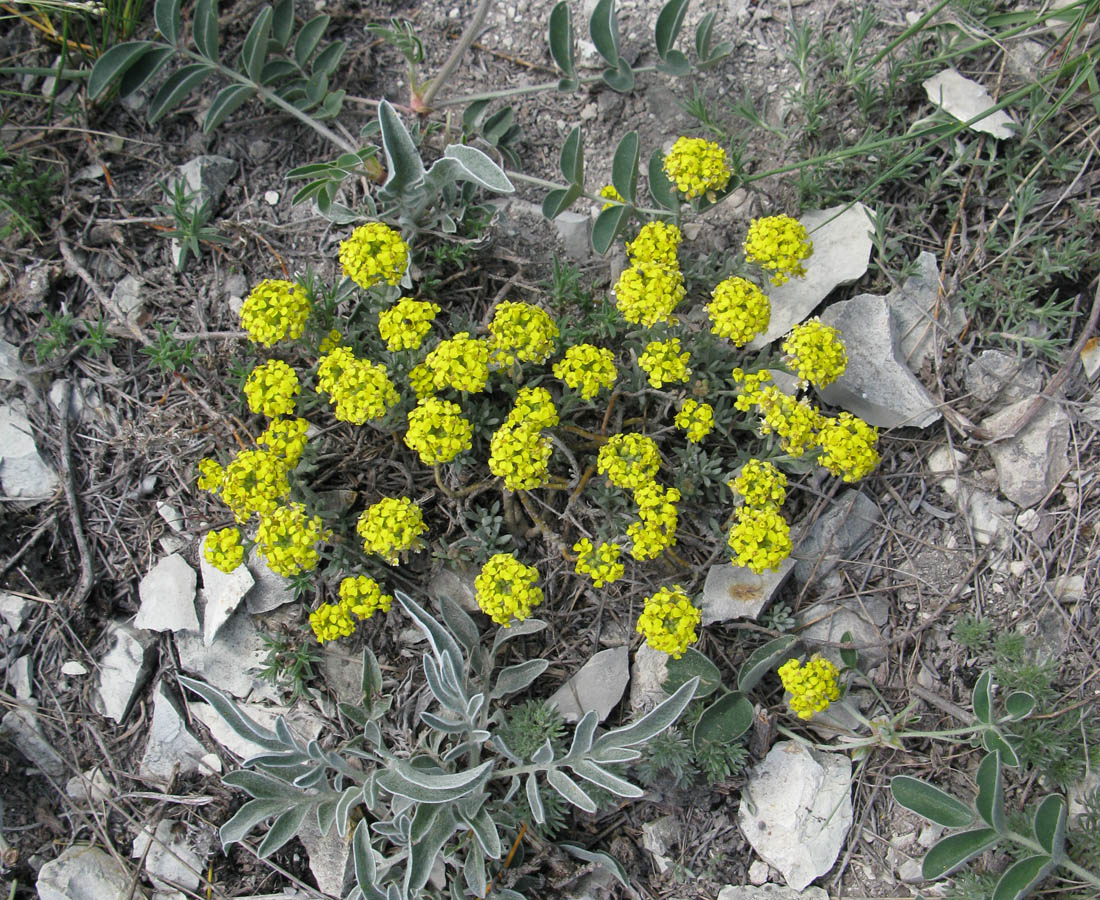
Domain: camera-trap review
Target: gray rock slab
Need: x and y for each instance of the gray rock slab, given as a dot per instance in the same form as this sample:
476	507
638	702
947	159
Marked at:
828	621
171	860
222	593
123	670
736	592
86	873
231	662
168	597
270	591
921	314
303	723
21	725
24	475
208	177
770	892
842	250
14	609
329	857
648	672
1031	464
996	375
836	535
458	584
796	809
89	787
599	684
343	672
990	518
658	837
877	386
127	298
574	230
964	99
170	744
19	677
11	366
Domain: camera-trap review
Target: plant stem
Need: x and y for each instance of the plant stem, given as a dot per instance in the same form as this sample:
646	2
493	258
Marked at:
458	52
527	89
553	186
1081	872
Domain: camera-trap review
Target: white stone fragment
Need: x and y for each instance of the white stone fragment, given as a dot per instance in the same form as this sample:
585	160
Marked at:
170	859
231	662
736	592
123	670
648	673
73	668
770	892
86	873
222	593
24	475
14	609
329	857
170	744
1030	465
21	725
89	787
598	685
964	99
168	597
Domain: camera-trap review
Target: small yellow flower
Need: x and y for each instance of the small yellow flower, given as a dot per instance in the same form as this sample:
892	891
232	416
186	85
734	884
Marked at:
405	324
272	388
359	389
390	527
274	311
795	421
601	563
697	167
663	362
363	597
657	242
211	475
751	386
669	620
739	311
287	538
812	687
760	538
815	352
848	446
331	341
461	363
437	431
330	621
223	549
285	439
506	589
374	253
761	484
696	418
628	460
610	192
779	244
254	482
647	293
655	530
586	369
521	332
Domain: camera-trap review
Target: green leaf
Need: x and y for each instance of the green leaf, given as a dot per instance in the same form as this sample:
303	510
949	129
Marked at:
423	819
534	801
326	816
724	721
308	39
459	623
313	189
282	23
176	88
983	698
583	735
516	678
675	64
248	817
1049	825
660	188
498	125
423	853
347	801
362	855
479	168
371	674
254	49
227	102
166	15
568	84
621	78
1021	877
848	655
1019	705
693	664
406	780
143	69
519	629
652	723
589	771
562	42
608	225
763	659
485	830
570	790
624	167
559	200
328	59
603	28
595	856
474	115
571	159
704	34
205	28
930	802
955	850
282	830
669	21
331	105
990	802
114	63
262	785
438	637
233	717
995	742
276	70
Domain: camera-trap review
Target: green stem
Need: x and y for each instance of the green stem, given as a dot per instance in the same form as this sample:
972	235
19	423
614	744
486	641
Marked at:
554	186
527	89
1081	872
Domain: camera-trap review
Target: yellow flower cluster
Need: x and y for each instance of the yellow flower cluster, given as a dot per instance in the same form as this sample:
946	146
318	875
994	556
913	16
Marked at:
610	192
254	481
330	621
521	331
519	452
761	484
697	167
795	421
507	589
815	352
663	361
628	460
437	431
696	418
657	242
223	549
461	363
812	687
272	388
655	530
739	310
647	293
848	446
760	538
390	527
274	311
374	253
669	620
363	596
421	381
285	439
359	389
586	369
752	387
330	341
405	324
287	539
601	563
779	244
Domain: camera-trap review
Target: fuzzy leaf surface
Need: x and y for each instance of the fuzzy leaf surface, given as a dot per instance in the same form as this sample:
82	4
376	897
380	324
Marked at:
955	850
1022	877
930	802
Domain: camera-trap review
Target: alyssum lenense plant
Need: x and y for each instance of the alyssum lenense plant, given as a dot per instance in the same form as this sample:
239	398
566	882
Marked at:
447	801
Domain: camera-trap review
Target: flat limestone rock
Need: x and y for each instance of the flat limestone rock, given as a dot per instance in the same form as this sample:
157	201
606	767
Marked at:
736	592
796	809
329	856
647	675
86	873
24	475
123	670
835	535
270	591
598	685
168	597
842	250
231	662
170	743
770	892
922	315
1031	464
170	858
222	592
965	99
20	723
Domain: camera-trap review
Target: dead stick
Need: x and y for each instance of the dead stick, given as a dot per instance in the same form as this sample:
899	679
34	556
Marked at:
84	585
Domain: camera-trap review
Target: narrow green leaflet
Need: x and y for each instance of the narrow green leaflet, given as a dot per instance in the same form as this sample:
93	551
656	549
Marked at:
438	636
454	785
227	102
990	802
589	771
254	49
518	677
113	63
176	88
480	169
570	790
344	805
363	856
1049	825
1021	877
669	21
282	22
848	655
675	64
143	69
583	735
327	60
534	801
930	802
619	79
624	167
608	226
423	853
308	38
282	830
661	189
983	698
234	718
603	28
995	742
474	872
955	850
460	624
652	723
559	200
485	830
205	28
166	15
571	159
763	659
262	785
562	41
248	817
724	721
600	859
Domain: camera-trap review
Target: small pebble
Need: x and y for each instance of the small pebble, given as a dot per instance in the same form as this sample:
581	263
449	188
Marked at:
72	667
271	198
